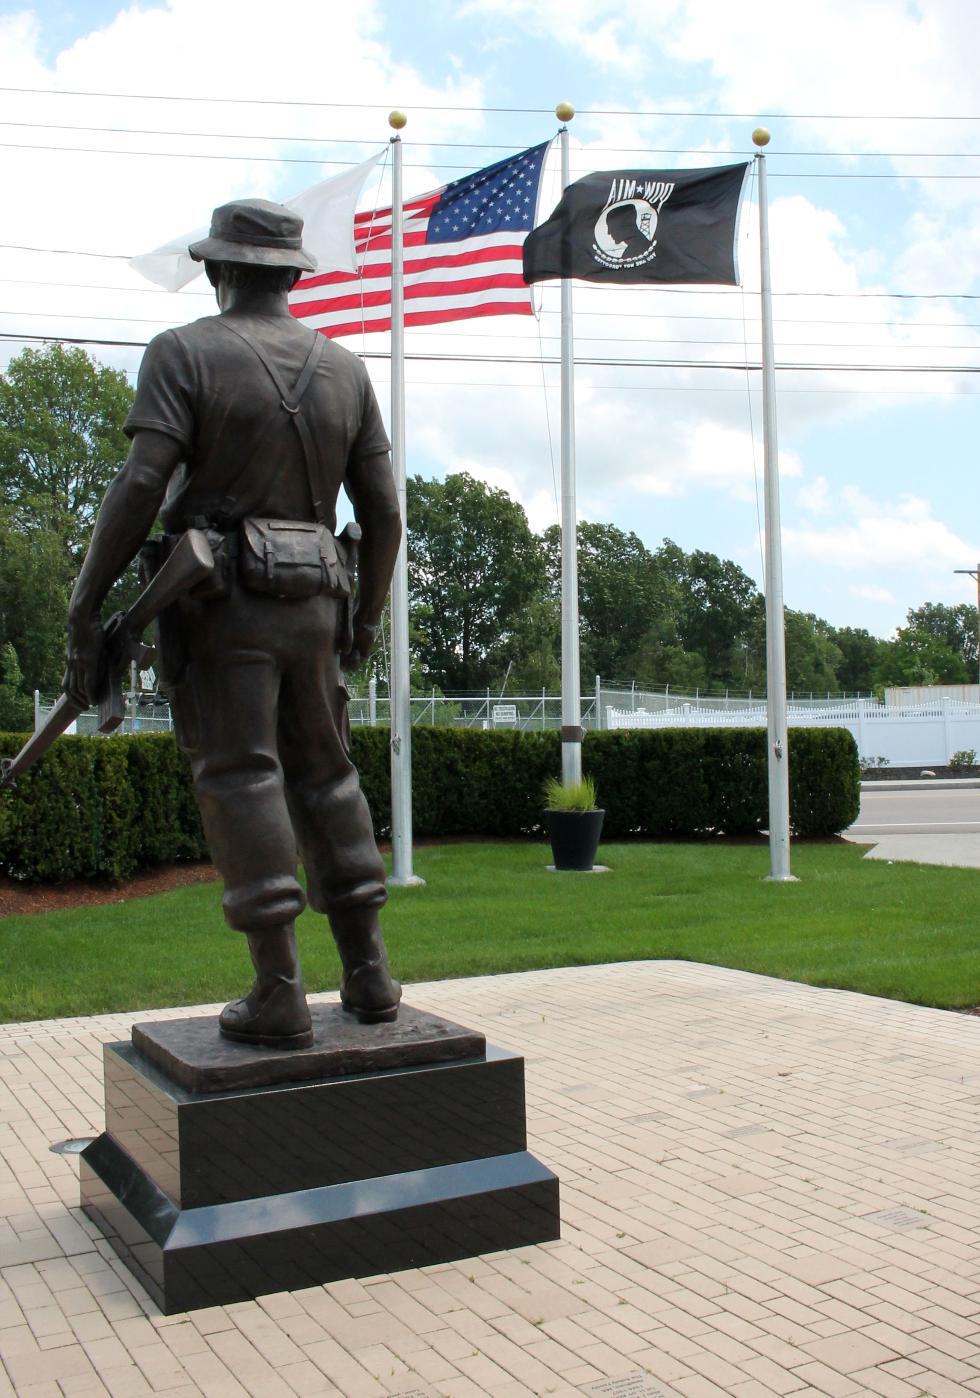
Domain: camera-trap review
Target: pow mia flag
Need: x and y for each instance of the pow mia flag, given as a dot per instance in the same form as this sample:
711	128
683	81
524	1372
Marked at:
631	226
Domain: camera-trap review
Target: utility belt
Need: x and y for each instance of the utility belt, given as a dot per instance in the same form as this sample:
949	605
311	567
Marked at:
289	559
286	558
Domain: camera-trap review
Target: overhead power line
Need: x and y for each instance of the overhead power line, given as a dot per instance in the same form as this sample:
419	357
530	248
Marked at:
473	332
67	252
442	165
782	154
207	155
712	391
585	287
910	348
587	361
460	107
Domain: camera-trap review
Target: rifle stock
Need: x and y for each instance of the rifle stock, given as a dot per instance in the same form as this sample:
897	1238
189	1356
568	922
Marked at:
190	562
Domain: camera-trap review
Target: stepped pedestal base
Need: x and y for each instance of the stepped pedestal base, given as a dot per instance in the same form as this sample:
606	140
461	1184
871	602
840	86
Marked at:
213	1196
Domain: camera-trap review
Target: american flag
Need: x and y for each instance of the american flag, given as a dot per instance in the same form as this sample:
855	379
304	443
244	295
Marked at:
463	247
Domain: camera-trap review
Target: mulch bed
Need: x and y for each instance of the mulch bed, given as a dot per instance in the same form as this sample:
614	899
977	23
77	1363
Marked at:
48	898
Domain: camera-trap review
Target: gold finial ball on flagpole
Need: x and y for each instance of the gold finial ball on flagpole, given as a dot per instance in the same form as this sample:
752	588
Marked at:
761	137
564	111
397	120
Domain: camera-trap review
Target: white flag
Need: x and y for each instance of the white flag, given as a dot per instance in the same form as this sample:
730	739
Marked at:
327	210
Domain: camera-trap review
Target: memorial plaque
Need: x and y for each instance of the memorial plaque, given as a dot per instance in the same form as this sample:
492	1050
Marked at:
638	1385
899	1220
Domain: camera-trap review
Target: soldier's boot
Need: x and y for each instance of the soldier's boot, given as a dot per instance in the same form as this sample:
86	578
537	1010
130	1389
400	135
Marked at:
274	1014
367	987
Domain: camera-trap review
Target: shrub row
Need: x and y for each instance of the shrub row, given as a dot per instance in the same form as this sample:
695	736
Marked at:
101	808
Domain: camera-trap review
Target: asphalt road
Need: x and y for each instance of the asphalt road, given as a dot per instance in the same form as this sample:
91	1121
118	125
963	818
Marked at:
944	811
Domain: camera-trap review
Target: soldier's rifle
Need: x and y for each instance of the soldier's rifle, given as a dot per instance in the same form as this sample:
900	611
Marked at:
190	562
348	540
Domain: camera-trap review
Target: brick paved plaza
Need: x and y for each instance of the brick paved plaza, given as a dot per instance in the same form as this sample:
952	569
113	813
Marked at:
766	1189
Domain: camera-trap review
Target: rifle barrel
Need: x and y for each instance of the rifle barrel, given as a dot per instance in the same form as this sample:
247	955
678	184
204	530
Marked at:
62	716
189	563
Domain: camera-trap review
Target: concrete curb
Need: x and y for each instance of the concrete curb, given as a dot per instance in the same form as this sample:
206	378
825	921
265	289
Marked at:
935	783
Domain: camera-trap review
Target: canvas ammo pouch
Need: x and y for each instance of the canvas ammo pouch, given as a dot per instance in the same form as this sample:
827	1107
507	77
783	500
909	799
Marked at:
290	558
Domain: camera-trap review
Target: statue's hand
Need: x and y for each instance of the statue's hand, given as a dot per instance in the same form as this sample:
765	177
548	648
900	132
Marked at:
86	648
362	647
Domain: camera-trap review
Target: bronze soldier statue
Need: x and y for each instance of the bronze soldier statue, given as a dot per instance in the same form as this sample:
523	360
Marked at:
246	425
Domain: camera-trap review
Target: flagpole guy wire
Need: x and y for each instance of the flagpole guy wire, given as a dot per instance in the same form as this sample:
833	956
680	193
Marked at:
399	673
572	732
777	732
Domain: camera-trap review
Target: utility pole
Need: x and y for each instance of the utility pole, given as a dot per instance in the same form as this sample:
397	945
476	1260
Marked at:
975	574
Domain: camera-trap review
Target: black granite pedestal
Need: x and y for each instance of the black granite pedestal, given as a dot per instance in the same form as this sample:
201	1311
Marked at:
226	1172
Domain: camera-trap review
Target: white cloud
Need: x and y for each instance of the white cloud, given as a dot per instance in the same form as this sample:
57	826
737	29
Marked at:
656	443
129	202
902	534
711	457
868	592
815	497
879	59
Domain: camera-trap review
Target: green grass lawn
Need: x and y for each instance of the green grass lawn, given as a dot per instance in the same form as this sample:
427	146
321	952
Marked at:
906	931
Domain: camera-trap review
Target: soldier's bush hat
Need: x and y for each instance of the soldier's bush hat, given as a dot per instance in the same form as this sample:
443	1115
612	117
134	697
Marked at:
257	232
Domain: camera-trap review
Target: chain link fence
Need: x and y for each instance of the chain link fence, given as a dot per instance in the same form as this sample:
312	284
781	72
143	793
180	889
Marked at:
150	712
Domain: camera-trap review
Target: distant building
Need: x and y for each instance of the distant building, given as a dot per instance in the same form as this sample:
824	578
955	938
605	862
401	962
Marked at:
932	693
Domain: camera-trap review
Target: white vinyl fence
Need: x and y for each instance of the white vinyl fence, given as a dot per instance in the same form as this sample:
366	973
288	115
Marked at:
904	736
907	735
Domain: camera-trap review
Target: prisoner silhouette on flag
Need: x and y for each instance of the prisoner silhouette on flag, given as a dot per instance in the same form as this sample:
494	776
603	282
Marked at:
631	226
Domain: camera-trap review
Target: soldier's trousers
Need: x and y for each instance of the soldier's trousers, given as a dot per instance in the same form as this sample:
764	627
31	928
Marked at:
261	713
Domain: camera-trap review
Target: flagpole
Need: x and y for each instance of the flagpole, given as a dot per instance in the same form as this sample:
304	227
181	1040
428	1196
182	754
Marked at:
571	697
778	738
399	683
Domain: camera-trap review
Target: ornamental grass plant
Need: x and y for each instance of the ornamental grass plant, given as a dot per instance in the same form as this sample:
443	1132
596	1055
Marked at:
576	796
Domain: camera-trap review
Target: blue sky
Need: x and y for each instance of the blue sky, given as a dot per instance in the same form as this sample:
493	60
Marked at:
875	241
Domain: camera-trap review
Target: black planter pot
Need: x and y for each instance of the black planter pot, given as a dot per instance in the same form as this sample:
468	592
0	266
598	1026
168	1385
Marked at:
574	838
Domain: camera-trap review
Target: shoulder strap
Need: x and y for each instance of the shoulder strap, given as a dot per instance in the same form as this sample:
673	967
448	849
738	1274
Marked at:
290	401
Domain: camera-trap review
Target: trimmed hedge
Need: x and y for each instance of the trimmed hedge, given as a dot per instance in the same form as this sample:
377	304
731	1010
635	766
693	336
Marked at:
101	808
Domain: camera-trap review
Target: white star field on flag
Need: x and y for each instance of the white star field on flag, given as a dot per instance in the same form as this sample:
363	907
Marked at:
463	246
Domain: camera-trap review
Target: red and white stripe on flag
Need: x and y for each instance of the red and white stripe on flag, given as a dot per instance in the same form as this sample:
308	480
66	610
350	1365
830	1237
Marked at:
446	279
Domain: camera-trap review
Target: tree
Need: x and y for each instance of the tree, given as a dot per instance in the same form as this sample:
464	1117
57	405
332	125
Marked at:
660	662
938	646
622	591
917	658
860	657
61	443
15	707
35	583
475	571
61	440
955	627
378	664
537	664
812	656
720	616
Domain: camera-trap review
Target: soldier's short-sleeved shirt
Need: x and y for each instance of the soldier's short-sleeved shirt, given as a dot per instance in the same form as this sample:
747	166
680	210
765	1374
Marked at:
205	387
